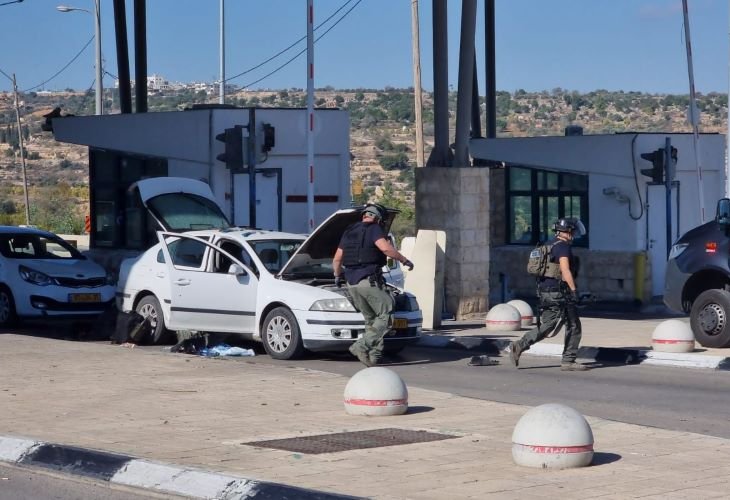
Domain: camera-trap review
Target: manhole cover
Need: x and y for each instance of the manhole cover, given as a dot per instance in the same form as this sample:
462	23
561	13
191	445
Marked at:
343	441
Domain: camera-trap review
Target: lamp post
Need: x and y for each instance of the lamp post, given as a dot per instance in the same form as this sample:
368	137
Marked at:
97	36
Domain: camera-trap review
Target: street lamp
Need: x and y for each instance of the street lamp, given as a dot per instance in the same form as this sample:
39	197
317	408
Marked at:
97	36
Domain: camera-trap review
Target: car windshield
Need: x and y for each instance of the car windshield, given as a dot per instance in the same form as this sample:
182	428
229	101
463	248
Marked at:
185	212
36	246
275	253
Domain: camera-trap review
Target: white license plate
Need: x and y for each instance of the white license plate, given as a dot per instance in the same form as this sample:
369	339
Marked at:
400	323
77	298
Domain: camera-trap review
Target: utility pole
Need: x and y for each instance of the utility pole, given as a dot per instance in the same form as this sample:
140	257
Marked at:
22	151
417	94
222	89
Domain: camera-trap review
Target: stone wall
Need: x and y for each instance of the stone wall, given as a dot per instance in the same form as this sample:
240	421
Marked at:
456	200
610	276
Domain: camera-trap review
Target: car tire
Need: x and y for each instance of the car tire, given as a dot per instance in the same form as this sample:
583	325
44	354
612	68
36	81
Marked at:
710	318
8	315
280	335
150	306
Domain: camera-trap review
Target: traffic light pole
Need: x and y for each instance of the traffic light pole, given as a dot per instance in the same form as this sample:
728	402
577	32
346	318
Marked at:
668	170
251	152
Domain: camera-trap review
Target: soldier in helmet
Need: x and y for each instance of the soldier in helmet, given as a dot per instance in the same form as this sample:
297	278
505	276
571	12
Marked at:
558	297
362	251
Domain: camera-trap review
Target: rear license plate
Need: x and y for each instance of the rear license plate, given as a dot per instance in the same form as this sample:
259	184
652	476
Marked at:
76	298
400	323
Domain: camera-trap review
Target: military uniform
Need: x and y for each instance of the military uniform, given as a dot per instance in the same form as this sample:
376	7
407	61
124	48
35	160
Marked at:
363	262
556	304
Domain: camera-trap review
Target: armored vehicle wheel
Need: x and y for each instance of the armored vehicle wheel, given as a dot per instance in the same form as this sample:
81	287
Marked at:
710	318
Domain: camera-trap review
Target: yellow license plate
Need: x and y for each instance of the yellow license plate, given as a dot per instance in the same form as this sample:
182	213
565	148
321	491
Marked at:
76	298
400	323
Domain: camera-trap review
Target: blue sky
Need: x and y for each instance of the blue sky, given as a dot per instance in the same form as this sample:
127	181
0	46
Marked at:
584	45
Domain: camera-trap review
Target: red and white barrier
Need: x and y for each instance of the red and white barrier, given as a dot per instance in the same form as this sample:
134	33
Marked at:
376	391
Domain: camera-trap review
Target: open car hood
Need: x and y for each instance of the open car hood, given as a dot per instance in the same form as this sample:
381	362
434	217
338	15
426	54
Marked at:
322	243
191	205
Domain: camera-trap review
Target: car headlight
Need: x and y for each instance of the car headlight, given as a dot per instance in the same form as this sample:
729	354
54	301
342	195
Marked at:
35	277
677	250
333	305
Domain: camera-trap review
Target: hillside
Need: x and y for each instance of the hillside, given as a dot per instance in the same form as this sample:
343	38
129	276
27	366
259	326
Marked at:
382	135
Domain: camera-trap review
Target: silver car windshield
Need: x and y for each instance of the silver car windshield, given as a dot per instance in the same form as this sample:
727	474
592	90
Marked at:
36	246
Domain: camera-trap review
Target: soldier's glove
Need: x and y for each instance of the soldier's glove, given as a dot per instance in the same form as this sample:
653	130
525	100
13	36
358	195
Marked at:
408	264
339	281
573	297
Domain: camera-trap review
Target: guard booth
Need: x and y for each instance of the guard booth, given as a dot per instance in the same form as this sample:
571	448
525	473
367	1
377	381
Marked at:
199	144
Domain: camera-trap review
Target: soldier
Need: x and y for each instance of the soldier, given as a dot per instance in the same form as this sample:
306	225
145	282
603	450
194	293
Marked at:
362	251
558	296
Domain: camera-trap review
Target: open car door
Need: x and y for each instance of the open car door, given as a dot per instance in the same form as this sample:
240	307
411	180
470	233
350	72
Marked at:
210	289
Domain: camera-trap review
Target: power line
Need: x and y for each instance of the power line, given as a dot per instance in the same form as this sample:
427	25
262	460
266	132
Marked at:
293	44
62	69
6	75
304	50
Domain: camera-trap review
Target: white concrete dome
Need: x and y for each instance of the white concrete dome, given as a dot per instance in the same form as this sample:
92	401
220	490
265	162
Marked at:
673	335
526	312
376	391
552	436
503	318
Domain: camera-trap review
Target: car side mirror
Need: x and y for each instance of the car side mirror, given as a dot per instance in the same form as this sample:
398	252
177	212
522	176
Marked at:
237	270
723	212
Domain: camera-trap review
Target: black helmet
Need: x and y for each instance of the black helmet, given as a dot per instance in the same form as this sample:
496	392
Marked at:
377	211
570	225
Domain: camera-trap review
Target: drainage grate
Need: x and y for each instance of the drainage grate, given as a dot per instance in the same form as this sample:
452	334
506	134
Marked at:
343	441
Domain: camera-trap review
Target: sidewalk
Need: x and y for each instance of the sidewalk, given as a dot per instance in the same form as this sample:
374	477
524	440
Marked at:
606	338
184	415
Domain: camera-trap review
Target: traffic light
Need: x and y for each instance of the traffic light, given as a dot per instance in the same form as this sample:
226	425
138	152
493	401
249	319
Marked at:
656	172
233	155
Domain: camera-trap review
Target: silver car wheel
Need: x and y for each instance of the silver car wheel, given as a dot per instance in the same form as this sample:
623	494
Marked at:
278	334
149	311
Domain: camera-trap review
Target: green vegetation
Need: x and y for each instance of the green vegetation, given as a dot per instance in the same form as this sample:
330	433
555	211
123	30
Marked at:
381	131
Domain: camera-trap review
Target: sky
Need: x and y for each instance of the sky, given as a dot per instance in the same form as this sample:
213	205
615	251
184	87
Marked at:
582	45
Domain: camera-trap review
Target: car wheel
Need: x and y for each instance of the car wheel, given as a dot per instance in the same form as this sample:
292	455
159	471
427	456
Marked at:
280	334
710	318
8	316
149	306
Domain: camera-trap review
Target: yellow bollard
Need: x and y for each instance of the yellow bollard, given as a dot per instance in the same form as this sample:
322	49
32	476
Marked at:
639	270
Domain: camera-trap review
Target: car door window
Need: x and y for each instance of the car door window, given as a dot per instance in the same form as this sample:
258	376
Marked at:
187	253
222	263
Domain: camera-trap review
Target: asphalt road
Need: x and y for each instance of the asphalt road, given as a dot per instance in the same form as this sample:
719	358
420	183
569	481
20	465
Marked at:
17	483
681	399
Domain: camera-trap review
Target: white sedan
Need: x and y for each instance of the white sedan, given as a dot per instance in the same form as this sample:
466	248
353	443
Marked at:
43	277
273	287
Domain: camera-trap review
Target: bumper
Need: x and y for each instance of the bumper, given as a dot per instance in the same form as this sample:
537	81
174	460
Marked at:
673	286
56	302
337	331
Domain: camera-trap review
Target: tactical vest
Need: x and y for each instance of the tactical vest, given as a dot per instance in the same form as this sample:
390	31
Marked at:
552	269
358	252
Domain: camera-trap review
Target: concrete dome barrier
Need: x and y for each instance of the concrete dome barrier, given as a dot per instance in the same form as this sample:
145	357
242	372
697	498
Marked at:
552	436
503	318
528	316
673	335
376	391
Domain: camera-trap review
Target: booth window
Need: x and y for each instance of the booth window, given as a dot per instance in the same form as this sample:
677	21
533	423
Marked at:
119	220
537	198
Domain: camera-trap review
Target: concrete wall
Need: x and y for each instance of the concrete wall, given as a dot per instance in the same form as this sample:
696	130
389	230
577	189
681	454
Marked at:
456	200
610	276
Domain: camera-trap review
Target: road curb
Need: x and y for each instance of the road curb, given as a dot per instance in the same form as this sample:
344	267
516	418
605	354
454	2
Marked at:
130	471
617	355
